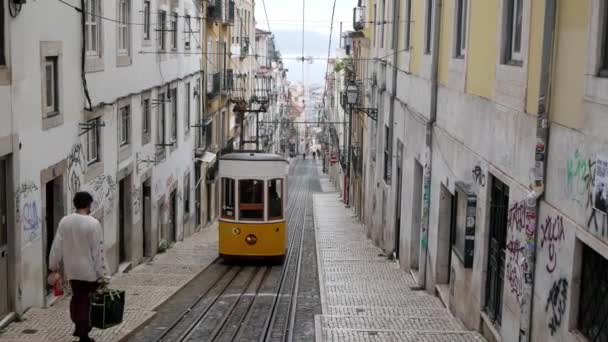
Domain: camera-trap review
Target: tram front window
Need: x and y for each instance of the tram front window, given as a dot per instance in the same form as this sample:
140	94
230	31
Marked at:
275	199
251	195
228	198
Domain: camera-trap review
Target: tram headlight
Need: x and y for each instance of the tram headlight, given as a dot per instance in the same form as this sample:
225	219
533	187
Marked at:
251	239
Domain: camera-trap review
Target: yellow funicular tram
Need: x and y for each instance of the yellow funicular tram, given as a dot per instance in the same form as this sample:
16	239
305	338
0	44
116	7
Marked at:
253	200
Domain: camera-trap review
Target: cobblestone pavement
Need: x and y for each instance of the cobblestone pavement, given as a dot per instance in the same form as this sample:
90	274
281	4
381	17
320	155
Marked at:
365	296
147	286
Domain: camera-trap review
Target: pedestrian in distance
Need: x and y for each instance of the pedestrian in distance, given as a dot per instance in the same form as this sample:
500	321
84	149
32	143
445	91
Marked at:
314	155
78	252
304	156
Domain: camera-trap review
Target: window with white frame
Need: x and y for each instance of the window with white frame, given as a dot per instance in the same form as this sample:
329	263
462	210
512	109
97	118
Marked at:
51	82
174	115
162	26
174	31
460	47
187	31
408	24
187	105
92	142
92	28
124	125
513	31
160	119
123	27
145	110
428	28
146	20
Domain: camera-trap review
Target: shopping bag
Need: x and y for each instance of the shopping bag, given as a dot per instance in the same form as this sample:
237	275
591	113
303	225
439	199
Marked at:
107	308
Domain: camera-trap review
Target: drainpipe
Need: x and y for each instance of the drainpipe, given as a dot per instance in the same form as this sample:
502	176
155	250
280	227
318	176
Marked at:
426	204
393	93
537	187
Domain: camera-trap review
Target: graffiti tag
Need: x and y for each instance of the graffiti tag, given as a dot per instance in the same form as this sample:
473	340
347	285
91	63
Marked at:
552	233
556	304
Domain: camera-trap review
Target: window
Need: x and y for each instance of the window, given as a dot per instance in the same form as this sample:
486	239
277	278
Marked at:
146	20
145	112
123	27
188	32
382	14
124	125
408	25
160	120
593	301
92	29
459	221
51	86
604	46
92	140
173	115
174	31
2	33
228	198
187	195
187	104
513	31
461	28
251	197
162	26
387	154
428	39
275	199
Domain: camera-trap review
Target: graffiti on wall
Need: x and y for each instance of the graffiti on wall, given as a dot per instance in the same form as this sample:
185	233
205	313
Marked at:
27	214
103	190
556	304
478	176
426	199
516	219
136	196
75	167
552	234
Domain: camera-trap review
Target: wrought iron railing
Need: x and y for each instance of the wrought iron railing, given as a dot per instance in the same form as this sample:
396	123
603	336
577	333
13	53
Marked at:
215	10
231	11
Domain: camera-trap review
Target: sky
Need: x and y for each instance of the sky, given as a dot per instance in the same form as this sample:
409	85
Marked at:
285	19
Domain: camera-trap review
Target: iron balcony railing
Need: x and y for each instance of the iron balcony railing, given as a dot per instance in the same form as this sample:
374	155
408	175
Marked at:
359	18
215	10
231	11
214	89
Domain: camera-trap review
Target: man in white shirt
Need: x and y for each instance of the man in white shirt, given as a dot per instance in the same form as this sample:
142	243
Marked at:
78	251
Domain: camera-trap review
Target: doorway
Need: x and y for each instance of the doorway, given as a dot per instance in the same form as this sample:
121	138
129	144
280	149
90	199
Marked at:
147	218
416	215
173	213
197	195
52	215
398	199
4	248
122	221
209	187
444	235
499	209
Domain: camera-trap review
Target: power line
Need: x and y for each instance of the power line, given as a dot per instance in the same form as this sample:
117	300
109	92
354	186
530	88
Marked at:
266	14
331	28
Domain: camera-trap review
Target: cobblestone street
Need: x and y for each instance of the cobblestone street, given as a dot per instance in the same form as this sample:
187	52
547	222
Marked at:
365	296
147	286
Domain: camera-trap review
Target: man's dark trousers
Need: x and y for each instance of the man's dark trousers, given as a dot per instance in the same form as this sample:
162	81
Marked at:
80	306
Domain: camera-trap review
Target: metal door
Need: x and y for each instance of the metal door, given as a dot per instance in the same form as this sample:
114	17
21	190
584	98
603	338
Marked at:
3	242
398	201
496	252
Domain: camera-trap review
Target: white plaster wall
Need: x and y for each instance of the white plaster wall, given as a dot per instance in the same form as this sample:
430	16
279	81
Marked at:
41	149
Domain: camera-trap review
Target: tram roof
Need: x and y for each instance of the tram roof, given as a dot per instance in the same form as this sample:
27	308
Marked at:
252	156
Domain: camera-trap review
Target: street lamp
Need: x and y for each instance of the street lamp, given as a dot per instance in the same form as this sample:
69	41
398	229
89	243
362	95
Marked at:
352	94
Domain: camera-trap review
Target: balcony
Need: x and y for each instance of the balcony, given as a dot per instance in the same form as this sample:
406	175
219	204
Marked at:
228	85
213	85
215	10
231	12
359	18
244	47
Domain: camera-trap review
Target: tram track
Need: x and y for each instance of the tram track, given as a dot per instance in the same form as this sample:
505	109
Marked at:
249	303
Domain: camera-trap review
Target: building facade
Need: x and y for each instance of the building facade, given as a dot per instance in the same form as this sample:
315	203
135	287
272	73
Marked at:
464	185
103	103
